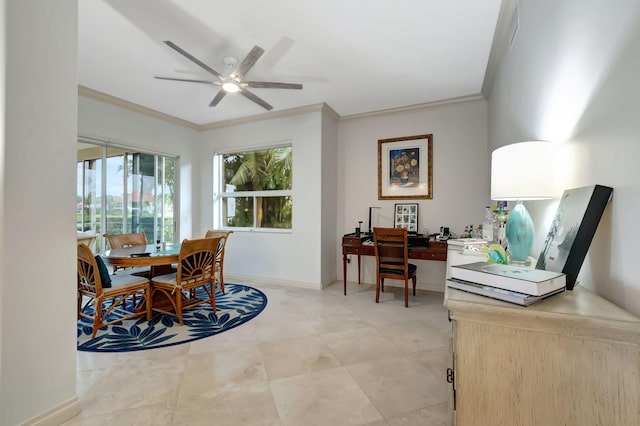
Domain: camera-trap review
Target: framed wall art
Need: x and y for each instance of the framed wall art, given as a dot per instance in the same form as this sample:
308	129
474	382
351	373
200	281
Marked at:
405	168
406	216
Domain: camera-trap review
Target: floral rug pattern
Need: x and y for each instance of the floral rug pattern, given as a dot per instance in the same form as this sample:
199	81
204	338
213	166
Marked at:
238	305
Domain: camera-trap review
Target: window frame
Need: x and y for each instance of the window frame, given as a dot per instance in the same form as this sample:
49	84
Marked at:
219	194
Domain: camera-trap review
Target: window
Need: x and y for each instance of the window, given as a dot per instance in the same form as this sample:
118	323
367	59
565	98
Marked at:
121	191
253	189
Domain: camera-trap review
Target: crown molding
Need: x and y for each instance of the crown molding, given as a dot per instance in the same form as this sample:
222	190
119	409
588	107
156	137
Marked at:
264	116
103	97
321	107
428	105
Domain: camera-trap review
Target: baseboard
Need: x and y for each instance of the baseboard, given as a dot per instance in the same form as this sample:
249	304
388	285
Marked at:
437	288
57	415
251	279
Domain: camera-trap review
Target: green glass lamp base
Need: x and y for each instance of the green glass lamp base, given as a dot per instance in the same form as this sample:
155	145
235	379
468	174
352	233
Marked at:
519	233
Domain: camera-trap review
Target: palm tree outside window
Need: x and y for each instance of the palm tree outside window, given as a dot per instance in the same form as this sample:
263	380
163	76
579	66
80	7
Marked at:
254	189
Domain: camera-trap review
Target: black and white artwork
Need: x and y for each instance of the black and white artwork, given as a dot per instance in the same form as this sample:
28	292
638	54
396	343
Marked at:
572	230
406	216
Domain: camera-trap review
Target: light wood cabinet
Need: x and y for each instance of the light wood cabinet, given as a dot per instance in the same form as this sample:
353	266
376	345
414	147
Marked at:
573	359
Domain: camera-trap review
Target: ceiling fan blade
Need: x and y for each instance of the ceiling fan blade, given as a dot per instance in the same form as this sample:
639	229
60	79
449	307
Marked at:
248	62
272	85
189	80
218	98
192	58
247	94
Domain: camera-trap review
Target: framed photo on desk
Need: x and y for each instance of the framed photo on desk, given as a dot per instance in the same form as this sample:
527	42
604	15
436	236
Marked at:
405	168
406	216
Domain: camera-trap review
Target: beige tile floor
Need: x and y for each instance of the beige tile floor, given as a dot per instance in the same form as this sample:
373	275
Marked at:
310	358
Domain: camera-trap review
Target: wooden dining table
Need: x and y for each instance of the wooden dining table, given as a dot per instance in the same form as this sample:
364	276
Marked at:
159	261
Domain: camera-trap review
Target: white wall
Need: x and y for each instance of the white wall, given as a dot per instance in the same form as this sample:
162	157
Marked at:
38	270
328	233
288	256
460	175
109	122
575	83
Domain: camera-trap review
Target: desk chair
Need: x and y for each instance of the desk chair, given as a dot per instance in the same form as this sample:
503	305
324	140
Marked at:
223	235
93	292
193	284
392	260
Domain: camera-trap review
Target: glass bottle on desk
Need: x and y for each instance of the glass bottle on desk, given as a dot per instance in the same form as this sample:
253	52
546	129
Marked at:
488	225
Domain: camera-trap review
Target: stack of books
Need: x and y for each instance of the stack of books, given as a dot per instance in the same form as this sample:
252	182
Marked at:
509	283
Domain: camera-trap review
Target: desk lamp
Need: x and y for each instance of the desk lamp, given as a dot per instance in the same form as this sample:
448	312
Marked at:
521	171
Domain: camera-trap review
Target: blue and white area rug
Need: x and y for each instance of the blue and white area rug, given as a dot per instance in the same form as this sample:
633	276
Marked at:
238	305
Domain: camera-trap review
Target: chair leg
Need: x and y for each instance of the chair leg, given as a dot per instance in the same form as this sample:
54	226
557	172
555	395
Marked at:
212	296
406	293
97	316
179	306
147	299
377	288
382	285
414	285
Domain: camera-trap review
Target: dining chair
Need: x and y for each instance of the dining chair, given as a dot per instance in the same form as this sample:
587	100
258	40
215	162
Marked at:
192	284
224	236
117	241
392	260
126	240
112	298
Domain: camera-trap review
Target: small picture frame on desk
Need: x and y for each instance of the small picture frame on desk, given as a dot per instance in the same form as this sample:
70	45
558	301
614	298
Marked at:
406	216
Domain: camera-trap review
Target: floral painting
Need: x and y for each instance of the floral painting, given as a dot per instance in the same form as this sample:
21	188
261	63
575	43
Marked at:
405	167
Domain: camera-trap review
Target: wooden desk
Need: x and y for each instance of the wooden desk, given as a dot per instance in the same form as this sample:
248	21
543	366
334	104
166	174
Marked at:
363	246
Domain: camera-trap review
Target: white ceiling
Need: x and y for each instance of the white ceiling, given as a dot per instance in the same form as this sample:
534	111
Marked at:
357	56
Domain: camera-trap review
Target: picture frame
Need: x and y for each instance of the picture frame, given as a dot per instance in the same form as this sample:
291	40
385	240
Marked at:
572	229
405	168
405	215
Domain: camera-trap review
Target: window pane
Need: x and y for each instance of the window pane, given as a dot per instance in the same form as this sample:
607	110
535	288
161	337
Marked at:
274	212
116	207
138	194
237	211
262	170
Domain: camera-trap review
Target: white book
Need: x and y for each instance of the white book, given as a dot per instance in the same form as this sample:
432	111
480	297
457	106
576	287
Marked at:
499	293
535	282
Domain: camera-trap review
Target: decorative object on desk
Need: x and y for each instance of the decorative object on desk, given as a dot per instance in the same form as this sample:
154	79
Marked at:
444	234
516	278
521	171
572	230
406	216
370	229
359	228
495	253
499	293
405	168
240	304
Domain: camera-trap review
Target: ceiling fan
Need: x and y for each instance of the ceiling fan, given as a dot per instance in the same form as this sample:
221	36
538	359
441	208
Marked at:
235	82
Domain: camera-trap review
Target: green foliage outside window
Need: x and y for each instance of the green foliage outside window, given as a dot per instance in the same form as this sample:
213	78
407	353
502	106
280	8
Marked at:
258	171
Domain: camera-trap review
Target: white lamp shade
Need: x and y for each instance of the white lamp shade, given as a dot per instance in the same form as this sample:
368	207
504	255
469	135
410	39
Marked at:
522	171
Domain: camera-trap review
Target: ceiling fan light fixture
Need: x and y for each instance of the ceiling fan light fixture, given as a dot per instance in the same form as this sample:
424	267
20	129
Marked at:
230	87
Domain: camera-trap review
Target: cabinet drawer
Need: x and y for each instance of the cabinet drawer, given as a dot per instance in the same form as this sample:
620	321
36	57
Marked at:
428	255
361	250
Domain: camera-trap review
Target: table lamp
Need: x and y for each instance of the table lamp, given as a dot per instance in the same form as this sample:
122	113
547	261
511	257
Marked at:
521	171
